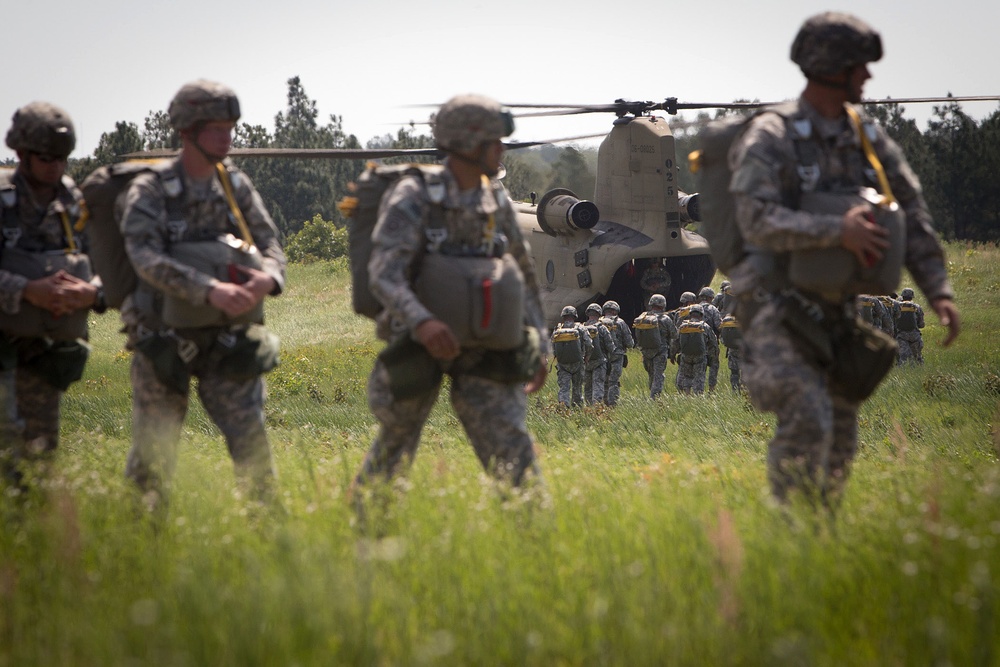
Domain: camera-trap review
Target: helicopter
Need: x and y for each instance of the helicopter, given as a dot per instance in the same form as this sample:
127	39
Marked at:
631	239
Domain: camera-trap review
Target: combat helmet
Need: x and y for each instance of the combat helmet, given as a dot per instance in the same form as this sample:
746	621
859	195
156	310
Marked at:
706	293
200	102
657	301
568	311
831	42
611	305
688	297
906	294
42	128
696	309
594	308
725	285
465	122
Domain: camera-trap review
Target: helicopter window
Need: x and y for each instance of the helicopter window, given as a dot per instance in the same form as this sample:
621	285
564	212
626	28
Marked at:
550	271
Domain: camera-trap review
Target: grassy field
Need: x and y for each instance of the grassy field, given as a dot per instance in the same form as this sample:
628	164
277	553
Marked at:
659	545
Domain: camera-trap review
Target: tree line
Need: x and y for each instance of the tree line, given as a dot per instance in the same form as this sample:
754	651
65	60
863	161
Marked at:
957	159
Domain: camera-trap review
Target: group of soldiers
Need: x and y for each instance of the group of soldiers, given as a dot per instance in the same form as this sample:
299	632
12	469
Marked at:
590	355
899	317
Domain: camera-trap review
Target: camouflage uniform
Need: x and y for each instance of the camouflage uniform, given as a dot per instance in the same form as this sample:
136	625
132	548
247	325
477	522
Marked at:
691	369
891	306
571	374
596	372
492	413
816	435
713	318
872	311
29	402
732	338
654	359
234	403
622	336
909	322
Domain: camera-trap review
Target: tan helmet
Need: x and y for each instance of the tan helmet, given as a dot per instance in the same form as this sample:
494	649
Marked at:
43	128
657	301
465	122
201	102
831	42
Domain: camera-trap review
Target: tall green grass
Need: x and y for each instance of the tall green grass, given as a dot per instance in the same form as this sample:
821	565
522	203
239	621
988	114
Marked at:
658	543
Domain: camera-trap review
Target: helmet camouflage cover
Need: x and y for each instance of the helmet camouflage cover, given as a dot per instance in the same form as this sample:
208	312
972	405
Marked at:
41	127
612	305
687	297
706	293
697	310
906	294
568	311
657	301
594	308
466	121
203	101
831	42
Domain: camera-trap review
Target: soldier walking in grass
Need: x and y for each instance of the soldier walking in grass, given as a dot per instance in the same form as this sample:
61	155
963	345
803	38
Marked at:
732	338
572	346
596	371
656	336
488	389
46	287
821	144
909	322
621	335
206	253
696	343
713	318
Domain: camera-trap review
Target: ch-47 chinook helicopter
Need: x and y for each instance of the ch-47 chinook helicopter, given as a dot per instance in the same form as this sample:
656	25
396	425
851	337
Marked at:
630	240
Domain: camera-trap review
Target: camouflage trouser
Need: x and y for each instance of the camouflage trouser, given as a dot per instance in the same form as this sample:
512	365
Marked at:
613	385
570	378
656	366
593	382
817	432
733	359
493	415
713	369
691	374
911	347
236	407
30	414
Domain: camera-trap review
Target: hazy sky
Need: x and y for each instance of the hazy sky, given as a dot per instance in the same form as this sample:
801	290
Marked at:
111	60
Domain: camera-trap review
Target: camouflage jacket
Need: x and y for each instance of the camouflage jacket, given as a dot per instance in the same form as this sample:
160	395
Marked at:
38	227
604	344
765	162
400	236
148	233
621	334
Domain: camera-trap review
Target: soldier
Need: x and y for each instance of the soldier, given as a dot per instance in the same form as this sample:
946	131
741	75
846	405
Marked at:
681	313
46	287
656	336
873	312
909	322
775	162
732	338
696	344
479	223
596	372
713	318
622	336
891	304
724	299
206	253
572	346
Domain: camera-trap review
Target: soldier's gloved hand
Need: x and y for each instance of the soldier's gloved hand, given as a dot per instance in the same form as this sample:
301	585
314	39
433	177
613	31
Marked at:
438	338
232	299
862	236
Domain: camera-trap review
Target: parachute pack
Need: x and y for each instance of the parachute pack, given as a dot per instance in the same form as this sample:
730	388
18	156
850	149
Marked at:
692	339
360	208
103	189
730	332
566	344
907	320
647	331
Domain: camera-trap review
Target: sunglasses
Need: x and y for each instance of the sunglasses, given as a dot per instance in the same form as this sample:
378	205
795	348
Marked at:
49	159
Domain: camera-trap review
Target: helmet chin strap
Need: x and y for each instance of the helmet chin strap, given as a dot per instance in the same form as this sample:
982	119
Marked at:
479	161
211	157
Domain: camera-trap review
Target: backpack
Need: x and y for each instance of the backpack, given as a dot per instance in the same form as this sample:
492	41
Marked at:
731	334
867	310
647	331
598	353
907	320
567	345
101	190
361	210
692	339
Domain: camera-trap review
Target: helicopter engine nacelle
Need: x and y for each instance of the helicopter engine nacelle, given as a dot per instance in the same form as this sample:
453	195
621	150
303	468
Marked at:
560	211
690	207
